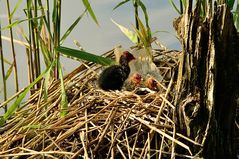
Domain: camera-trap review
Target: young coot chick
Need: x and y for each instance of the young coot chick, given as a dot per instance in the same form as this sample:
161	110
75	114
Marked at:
133	81
113	77
152	84
136	79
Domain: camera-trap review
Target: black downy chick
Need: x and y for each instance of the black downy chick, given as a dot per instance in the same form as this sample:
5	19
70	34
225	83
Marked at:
113	77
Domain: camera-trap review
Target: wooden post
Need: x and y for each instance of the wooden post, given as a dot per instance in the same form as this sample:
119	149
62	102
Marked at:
208	77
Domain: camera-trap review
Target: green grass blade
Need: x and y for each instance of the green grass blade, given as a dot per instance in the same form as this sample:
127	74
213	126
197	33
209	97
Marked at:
18	101
15	8
236	17
9	71
6	61
71	27
64	101
167	32
46	83
230	3
29	2
85	56
48	56
140	36
120	4
54	12
203	9
184	2
19	21
45	19
236	21
24	35
14	24
130	34
174	6
90	11
146	18
145	13
47	79
143	34
142	29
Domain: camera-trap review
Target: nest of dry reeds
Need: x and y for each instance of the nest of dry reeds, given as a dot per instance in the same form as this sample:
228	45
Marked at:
99	124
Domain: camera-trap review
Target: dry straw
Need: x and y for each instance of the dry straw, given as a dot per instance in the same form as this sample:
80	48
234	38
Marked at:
99	124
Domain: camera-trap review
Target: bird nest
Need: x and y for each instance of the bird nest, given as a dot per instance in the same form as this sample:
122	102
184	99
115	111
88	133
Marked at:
99	124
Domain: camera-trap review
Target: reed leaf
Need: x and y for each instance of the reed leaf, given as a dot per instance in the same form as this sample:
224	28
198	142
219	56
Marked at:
15	8
47	79
71	27
184	2
142	29
5	61
54	12
203	9
9	71
18	22
142	6
143	34
47	21
90	10
230	3
11	110
174	5
129	34
120	4
64	101
167	32
29	3
85	56
236	17
48	56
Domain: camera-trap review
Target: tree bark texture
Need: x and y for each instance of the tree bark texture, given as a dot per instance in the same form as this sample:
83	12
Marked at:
207	82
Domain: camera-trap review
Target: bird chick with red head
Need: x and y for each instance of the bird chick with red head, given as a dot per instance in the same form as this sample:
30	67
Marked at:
113	77
152	84
136	79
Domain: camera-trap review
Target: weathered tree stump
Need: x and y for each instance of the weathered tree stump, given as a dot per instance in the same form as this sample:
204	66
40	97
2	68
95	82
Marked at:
207	83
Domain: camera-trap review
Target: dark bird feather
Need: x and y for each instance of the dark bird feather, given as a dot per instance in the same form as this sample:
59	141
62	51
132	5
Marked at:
113	77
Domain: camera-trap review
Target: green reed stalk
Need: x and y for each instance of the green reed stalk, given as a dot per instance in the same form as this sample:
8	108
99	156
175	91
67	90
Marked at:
56	32
49	24
29	52
3	71
181	6
33	52
36	40
13	48
136	15
29	64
